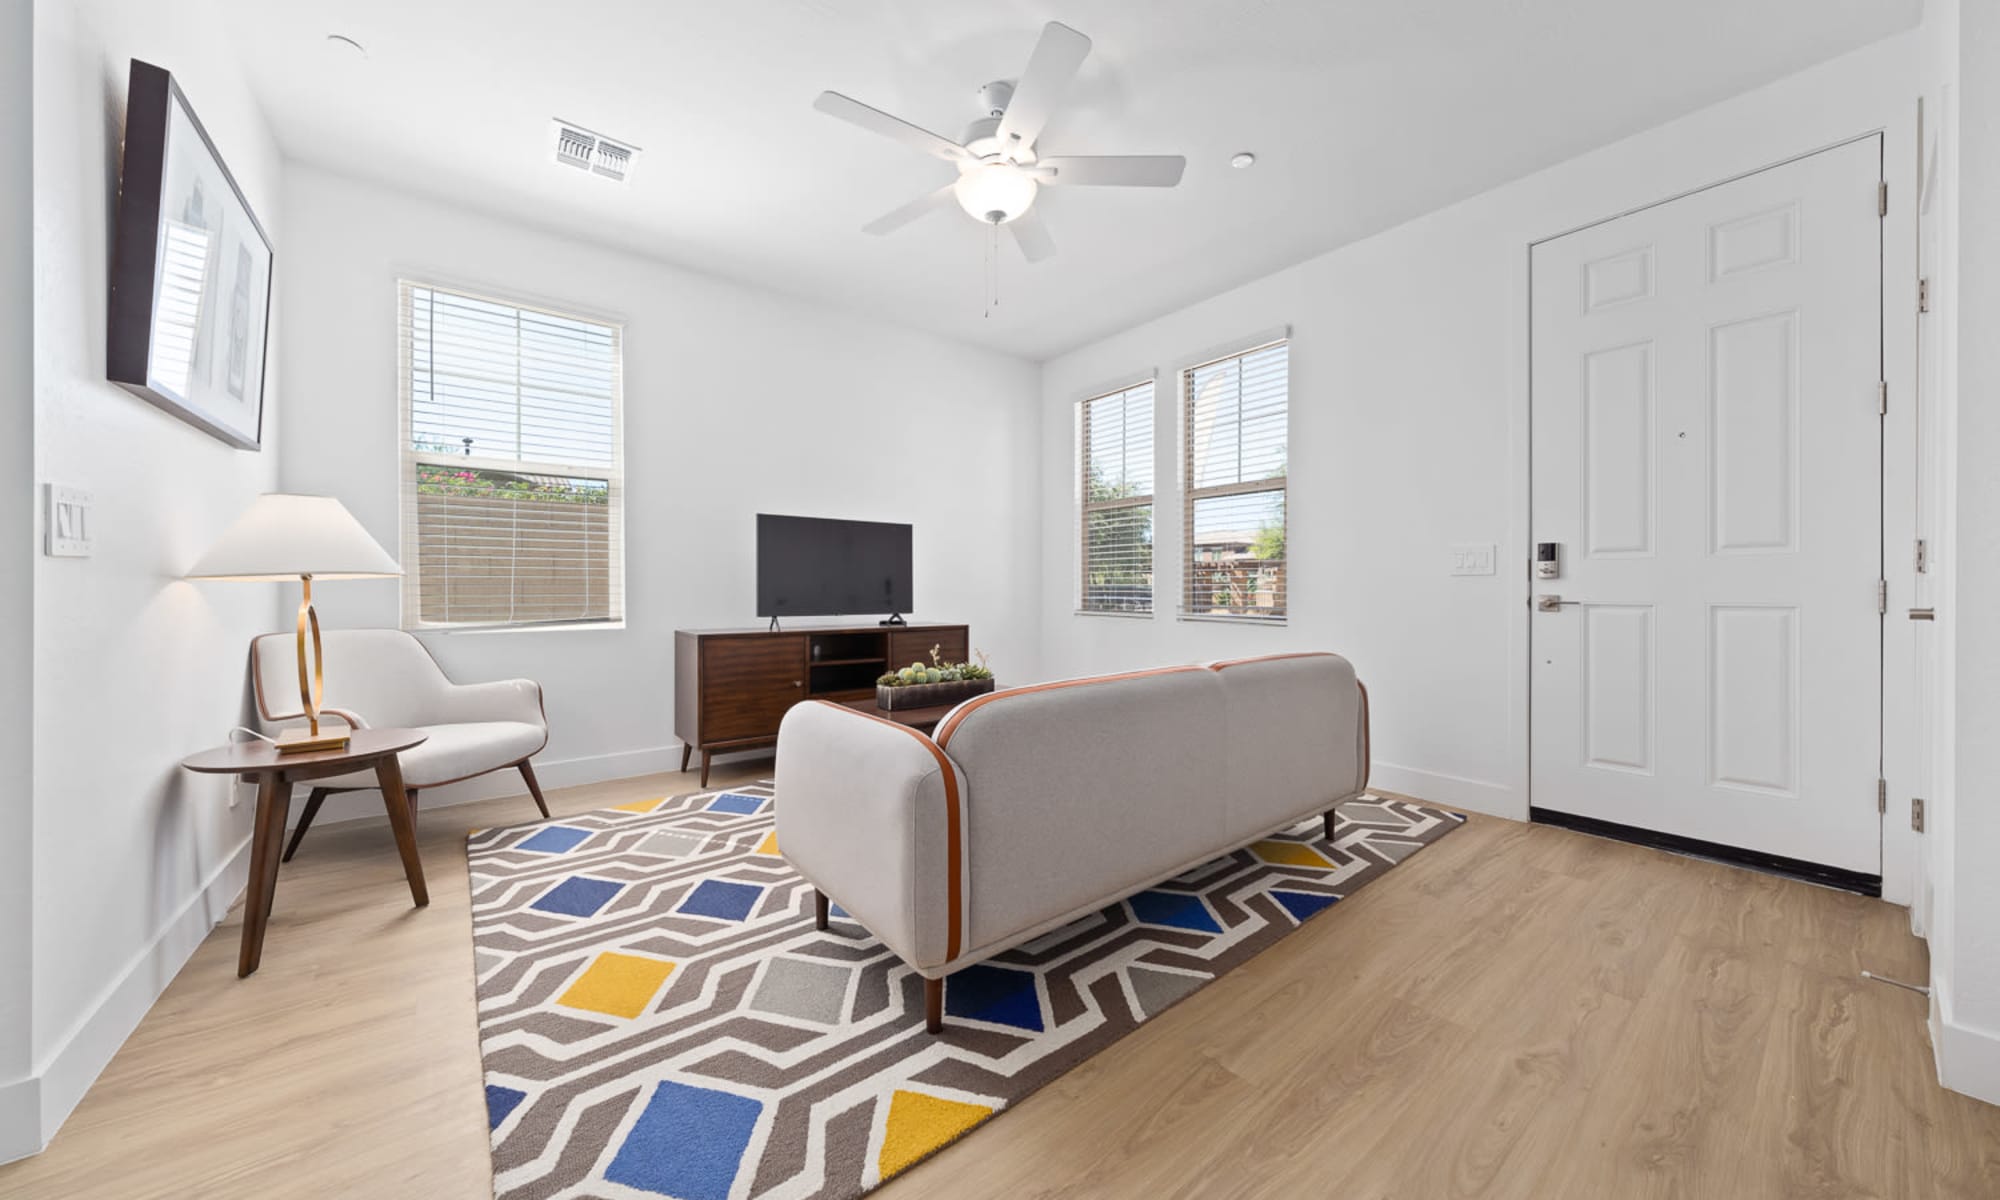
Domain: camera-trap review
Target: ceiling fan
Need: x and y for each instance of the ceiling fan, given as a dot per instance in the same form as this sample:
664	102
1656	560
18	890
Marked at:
999	169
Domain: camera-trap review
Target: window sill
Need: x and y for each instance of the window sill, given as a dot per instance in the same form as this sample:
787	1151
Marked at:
563	627
1128	616
1231	619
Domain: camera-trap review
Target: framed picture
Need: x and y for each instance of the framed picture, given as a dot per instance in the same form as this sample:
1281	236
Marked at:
190	271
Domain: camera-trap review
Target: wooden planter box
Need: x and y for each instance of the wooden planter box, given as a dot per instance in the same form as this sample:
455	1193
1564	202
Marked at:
924	695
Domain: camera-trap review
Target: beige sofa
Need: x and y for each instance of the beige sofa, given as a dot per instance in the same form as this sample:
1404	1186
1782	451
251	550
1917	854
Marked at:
1036	805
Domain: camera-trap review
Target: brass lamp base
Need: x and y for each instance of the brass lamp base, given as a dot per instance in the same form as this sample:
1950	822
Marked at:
303	741
312	686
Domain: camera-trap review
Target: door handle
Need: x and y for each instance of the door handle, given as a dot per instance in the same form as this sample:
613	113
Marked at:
1923	614
1548	603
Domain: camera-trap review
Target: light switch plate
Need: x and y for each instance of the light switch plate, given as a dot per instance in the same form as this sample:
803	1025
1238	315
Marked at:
1472	558
66	522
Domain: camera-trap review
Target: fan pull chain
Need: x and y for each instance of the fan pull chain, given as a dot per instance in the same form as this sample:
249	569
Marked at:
992	272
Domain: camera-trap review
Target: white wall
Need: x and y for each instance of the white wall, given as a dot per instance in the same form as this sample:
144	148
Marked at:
1965	943
134	860
19	1105
737	401
1409	419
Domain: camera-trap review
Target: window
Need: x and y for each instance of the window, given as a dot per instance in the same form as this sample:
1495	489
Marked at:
1233	555
1115	452
511	464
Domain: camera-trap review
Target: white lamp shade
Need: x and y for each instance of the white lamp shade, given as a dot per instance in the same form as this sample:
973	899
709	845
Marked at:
284	537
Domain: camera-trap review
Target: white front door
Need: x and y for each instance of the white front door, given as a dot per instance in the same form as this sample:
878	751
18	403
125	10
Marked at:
1707	456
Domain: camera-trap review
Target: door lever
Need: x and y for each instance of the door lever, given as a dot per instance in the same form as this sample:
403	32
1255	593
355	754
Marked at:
1548	603
1923	614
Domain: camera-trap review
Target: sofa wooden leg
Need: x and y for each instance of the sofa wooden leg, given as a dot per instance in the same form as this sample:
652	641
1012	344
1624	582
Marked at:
1330	821
820	906
534	788
933	1006
687	751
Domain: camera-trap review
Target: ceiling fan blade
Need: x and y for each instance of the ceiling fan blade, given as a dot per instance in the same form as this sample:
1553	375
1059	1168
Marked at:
889	222
1032	236
833	104
1128	170
1050	68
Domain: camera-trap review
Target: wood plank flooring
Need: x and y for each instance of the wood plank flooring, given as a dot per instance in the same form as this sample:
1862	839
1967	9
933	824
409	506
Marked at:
1518	1012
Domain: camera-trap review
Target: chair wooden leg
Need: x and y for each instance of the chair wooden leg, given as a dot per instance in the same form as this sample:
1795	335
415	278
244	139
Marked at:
534	788
687	752
313	801
933	1006
1330	822
705	757
820	907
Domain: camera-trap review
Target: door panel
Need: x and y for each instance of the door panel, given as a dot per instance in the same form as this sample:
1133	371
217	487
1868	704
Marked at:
748	684
1707	443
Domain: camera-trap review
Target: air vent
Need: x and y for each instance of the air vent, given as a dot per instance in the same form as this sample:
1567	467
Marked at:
612	159
579	147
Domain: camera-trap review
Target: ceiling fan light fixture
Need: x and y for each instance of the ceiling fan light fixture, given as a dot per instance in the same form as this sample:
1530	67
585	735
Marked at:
995	192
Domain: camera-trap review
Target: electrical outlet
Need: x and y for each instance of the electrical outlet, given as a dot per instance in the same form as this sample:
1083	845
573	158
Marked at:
66	522
1472	558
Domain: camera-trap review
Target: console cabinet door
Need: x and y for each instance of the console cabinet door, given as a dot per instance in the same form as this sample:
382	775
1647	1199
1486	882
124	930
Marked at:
748	683
908	646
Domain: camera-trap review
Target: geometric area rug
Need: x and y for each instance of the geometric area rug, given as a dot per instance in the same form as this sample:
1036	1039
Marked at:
658	1016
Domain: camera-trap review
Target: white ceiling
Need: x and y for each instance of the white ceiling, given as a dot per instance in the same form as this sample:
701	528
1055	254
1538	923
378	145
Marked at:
1362	113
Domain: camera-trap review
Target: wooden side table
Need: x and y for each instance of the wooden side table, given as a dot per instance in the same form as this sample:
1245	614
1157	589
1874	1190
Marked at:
274	775
923	719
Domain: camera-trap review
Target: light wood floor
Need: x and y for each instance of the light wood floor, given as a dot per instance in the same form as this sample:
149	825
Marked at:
1517	1012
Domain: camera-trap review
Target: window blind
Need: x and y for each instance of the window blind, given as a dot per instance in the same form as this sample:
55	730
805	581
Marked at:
512	463
1115	453
1236	429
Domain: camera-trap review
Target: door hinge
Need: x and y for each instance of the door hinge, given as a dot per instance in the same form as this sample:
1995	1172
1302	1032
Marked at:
1882	198
1882	397
1923	556
1917	813
1881	795
1881	596
1923	295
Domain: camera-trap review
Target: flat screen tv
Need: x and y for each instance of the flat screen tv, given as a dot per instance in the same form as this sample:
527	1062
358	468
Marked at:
813	566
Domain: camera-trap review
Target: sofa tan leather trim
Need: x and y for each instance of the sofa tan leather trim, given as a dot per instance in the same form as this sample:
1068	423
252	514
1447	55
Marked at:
966	709
1237	662
1367	746
954	885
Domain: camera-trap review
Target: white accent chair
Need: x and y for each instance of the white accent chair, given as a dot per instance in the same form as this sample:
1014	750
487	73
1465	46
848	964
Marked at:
387	679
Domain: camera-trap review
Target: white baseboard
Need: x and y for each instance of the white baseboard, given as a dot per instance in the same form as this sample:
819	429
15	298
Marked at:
21	1119
1968	1057
31	1110
1478	795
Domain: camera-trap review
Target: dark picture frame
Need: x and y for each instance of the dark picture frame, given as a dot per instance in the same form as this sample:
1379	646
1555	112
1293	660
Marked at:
191	271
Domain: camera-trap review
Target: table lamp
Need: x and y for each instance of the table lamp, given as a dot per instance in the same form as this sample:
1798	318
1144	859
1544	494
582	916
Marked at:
282	537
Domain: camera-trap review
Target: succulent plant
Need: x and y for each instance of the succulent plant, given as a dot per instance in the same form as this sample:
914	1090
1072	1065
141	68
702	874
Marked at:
938	671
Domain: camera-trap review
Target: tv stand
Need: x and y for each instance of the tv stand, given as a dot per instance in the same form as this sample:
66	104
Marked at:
733	686
774	624
895	619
